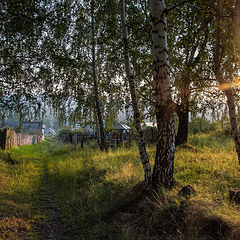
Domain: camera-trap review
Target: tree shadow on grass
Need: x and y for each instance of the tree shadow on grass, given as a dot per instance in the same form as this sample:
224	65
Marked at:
91	205
89	202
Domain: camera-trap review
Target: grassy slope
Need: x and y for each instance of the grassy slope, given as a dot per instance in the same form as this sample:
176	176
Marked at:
99	194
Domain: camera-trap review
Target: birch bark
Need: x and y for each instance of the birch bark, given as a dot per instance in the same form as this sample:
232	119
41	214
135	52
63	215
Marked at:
103	145
131	82
237	24
164	159
222	81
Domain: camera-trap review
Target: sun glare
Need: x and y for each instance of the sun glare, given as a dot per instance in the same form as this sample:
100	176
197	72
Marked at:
226	86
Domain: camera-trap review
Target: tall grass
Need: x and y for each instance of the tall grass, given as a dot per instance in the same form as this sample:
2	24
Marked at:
19	181
100	195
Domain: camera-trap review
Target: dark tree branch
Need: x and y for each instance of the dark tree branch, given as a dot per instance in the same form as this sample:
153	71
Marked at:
166	10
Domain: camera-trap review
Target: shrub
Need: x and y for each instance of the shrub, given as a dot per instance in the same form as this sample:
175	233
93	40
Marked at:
150	134
201	125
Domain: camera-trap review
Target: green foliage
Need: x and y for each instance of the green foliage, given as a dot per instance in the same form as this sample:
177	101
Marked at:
218	129
45	43
201	125
68	130
64	130
150	134
4	155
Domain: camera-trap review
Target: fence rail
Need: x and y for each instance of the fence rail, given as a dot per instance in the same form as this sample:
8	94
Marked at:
9	138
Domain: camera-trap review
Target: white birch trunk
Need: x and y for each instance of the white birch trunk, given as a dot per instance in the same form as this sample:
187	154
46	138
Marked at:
131	82
222	81
103	145
164	159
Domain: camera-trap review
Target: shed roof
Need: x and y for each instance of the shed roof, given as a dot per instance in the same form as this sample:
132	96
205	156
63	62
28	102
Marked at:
50	131
26	125
120	126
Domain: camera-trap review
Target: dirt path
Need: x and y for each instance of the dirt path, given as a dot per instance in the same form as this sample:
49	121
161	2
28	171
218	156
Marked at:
51	227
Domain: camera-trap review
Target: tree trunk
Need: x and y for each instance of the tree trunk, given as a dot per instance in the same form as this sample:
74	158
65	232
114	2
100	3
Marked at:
131	82
182	134
20	126
103	145
3	117
222	82
82	141
183	110
237	24
164	159
152	133
97	128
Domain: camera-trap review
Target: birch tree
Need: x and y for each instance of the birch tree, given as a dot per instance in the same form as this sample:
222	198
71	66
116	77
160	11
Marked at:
134	100
237	24
86	64
102	140
189	59
164	159
224	84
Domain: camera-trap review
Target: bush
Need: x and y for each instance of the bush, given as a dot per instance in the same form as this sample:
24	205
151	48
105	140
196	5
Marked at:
64	130
68	130
150	134
201	125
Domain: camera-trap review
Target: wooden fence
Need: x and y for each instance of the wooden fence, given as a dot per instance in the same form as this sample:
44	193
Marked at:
73	138
112	140
9	138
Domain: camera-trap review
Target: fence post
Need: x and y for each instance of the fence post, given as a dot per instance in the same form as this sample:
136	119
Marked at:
3	133
9	138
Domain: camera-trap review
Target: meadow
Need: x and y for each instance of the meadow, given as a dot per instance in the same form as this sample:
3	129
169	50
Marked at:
59	191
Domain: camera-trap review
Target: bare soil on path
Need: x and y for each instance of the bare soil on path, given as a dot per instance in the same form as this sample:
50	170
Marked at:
50	227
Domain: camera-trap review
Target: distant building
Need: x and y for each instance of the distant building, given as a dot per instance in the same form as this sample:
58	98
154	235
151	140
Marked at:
27	126
120	126
119	130
49	132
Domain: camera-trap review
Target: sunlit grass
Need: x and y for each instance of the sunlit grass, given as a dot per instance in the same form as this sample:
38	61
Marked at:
99	194
19	183
212	174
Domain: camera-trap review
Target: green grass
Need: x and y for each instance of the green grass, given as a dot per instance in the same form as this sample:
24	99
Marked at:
18	189
100	194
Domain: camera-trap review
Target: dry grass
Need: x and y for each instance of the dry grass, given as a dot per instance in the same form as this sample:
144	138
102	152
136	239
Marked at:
100	195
